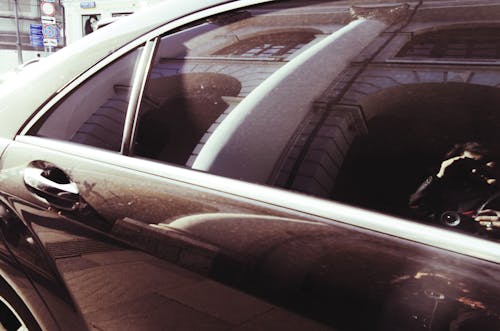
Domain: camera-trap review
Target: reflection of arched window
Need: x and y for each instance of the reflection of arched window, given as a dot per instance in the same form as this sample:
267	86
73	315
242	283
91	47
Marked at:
269	45
471	43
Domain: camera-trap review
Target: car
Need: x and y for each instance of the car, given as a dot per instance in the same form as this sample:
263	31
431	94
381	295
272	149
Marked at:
246	165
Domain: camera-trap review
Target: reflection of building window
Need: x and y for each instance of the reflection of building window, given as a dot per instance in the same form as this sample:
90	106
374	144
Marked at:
120	14
478	43
89	23
269	45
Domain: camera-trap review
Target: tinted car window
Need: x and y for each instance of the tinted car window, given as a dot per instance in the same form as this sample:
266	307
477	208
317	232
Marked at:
94	113
277	95
349	103
230	94
200	74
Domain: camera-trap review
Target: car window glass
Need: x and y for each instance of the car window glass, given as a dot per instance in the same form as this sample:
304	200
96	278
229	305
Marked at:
316	98
94	113
200	74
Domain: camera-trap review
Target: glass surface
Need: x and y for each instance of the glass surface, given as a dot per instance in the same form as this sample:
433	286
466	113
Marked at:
94	113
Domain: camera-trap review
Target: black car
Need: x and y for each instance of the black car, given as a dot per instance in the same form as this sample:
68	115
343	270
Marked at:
246	165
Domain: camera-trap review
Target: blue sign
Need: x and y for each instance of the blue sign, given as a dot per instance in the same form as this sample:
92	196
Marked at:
87	4
36	35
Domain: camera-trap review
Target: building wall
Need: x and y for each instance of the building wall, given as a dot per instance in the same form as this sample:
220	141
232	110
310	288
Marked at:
71	17
28	13
78	12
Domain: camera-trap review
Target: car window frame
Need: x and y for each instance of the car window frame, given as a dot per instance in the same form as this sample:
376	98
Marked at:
87	76
158	32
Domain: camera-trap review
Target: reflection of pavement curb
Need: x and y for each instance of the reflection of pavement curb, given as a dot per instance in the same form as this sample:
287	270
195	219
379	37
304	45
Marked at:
169	244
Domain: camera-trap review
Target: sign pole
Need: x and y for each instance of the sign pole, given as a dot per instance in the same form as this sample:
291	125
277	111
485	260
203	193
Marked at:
18	35
49	25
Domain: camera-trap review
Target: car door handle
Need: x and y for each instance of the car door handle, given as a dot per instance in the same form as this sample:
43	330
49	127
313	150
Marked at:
52	186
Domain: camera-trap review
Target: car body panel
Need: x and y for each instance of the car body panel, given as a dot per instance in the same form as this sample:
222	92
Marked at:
275	254
13	275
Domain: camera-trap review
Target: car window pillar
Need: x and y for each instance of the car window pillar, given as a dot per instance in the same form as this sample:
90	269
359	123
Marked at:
136	95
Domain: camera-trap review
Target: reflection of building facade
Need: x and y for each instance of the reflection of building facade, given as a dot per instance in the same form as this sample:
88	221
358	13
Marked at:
423	80
428	81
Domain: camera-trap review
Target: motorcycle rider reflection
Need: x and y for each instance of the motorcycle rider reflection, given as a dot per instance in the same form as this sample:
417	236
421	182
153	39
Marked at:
460	194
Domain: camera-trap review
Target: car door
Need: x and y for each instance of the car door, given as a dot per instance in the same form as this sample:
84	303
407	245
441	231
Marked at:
152	252
128	236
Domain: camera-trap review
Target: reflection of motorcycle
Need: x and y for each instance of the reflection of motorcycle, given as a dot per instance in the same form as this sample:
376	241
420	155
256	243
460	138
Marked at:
462	218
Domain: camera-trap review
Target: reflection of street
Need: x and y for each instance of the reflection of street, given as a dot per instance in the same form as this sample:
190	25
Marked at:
132	288
115	285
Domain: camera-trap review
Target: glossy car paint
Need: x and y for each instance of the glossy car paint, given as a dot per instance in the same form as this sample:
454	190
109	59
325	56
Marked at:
153	247
328	273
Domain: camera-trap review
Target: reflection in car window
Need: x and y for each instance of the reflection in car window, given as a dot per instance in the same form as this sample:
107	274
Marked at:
191	88
476	43
345	102
321	97
271	45
94	113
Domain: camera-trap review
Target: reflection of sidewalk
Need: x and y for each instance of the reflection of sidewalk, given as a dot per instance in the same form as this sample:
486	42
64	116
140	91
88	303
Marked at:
130	290
118	288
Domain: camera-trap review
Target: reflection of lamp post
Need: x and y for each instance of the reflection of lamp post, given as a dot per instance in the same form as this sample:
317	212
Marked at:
18	35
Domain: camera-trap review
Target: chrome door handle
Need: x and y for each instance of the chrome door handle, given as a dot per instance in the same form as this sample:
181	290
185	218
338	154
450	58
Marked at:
61	194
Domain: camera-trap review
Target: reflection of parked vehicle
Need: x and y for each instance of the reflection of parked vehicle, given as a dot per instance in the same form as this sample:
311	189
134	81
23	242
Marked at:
144	174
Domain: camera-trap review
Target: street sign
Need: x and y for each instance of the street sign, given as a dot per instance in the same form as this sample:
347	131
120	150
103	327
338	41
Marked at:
87	4
47	8
36	35
50	42
49	31
48	20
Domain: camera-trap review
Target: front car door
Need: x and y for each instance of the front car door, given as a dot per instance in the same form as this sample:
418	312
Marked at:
130	235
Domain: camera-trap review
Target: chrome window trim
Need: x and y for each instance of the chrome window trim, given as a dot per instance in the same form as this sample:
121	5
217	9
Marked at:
78	81
325	210
140	78
162	30
23	326
437	62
